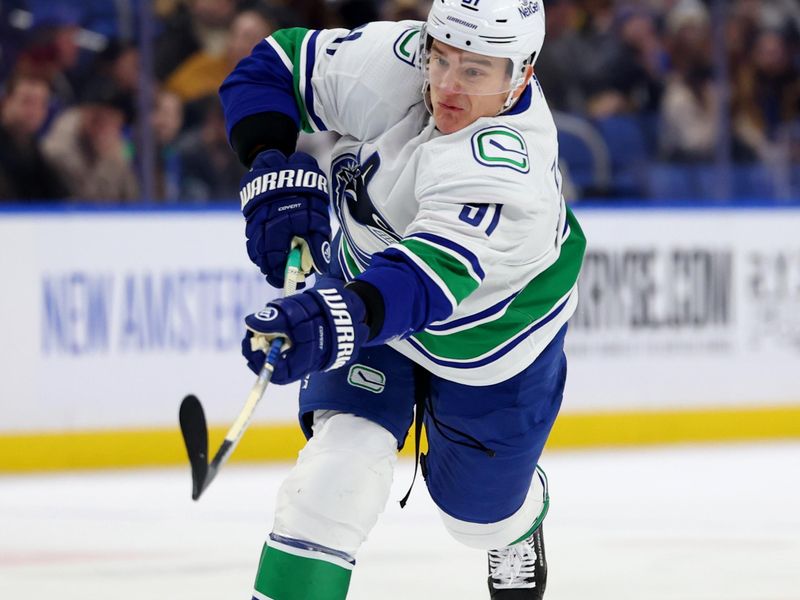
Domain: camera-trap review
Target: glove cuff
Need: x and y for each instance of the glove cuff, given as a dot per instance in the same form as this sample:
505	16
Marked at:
345	313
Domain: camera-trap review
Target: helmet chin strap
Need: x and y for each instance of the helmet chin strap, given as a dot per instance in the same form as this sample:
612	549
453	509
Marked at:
426	96
510	100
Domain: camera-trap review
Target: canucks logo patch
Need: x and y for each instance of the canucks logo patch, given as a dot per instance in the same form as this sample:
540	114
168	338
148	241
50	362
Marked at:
406	46
366	378
501	146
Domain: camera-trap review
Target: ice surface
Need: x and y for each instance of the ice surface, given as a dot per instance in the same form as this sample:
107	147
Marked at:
676	523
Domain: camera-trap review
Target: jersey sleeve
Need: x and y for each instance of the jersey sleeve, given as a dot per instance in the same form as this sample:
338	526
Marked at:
426	275
473	221
356	82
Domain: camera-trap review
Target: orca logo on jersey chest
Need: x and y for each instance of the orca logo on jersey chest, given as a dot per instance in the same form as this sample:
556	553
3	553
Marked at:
501	146
351	191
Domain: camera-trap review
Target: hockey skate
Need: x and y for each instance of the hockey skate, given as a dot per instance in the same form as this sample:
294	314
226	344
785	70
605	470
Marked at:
519	572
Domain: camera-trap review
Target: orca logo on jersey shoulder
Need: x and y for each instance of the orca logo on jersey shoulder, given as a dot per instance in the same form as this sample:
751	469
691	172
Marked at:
501	146
350	190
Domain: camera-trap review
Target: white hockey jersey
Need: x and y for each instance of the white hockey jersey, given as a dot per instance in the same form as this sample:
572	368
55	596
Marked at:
479	211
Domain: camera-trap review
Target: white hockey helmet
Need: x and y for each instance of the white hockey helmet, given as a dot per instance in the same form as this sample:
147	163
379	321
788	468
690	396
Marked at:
512	29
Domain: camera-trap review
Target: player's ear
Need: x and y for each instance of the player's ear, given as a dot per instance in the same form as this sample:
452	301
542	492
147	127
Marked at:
525	81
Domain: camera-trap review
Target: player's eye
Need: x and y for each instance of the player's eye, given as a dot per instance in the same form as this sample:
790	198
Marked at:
474	73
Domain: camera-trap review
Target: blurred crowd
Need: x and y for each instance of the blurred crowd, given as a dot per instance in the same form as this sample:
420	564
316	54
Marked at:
650	96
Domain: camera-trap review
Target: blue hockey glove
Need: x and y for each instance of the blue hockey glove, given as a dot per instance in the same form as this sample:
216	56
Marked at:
324	328
283	198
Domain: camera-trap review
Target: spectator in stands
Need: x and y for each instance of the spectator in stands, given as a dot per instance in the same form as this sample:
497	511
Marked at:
12	40
741	30
769	14
167	120
88	144
25	174
210	169
193	26
313	14
599	60
200	75
354	13
610	64
618	64
690	106
766	95
248	28
52	50
119	61
555	67
647	60
402	10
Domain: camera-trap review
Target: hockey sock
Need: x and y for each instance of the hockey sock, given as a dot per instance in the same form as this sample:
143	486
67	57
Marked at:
295	570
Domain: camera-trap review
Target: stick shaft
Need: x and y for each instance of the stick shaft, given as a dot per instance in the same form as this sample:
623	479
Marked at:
259	387
236	431
246	414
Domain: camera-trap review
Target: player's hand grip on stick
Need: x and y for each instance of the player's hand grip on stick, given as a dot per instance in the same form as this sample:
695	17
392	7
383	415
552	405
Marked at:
284	198
192	417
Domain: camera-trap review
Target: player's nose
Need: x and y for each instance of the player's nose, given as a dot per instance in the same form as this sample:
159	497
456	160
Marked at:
450	82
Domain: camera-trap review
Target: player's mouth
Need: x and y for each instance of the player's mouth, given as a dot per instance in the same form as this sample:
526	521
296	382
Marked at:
449	107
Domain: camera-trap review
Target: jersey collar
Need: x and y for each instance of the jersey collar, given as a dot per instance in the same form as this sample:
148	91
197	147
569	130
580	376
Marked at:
523	103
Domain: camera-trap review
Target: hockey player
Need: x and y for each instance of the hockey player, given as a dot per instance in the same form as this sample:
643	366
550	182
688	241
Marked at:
446	289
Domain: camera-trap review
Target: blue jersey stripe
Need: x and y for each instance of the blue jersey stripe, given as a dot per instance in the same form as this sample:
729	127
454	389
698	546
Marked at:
311	53
450	245
496	355
488	312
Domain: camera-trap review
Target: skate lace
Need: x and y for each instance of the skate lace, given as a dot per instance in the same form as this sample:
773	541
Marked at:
513	566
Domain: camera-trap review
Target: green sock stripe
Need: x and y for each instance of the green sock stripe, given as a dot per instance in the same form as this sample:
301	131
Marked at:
285	576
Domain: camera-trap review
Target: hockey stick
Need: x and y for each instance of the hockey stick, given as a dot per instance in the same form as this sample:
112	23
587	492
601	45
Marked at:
193	419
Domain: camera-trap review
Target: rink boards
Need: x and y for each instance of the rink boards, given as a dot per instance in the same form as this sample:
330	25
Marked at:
688	329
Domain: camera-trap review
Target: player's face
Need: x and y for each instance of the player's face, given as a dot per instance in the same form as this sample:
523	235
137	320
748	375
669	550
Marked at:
465	86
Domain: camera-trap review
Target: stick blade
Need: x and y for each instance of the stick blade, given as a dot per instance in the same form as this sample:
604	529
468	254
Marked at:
195	437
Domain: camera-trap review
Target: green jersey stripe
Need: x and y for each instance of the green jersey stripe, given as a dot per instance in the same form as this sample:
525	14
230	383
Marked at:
534	302
460	258
460	281
293	42
433	276
350	262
